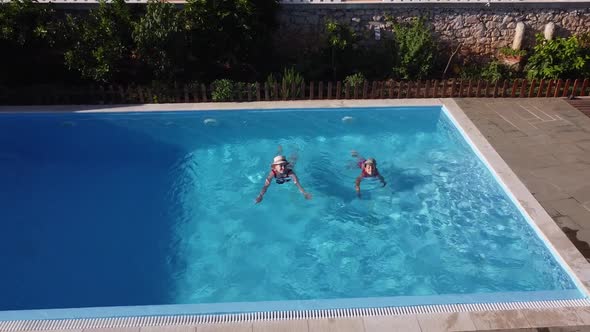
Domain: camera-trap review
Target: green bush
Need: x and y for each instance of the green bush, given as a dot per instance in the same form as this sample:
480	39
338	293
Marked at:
415	50
560	58
285	83
492	71
354	80
222	90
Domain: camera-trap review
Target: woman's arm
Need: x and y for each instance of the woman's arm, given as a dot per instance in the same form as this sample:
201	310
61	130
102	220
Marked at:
296	180
264	188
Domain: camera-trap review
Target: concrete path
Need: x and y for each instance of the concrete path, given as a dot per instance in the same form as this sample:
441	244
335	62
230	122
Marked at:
547	144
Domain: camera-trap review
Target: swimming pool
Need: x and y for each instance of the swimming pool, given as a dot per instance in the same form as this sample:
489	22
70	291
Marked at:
130	209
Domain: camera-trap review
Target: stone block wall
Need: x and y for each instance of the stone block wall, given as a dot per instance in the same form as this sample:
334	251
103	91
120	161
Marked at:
481	29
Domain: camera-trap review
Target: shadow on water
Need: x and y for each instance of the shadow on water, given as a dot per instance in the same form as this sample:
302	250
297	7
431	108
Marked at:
327	182
405	179
83	211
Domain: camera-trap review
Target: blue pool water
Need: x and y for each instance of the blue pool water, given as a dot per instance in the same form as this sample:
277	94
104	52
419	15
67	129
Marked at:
122	209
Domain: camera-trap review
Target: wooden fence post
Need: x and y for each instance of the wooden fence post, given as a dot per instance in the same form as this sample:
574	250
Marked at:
284	91
203	92
566	88
346	88
478	89
549	88
514	85
329	92
557	88
365	89
257	87
584	86
435	92
495	93
575	88
523	89
532	89
321	90
338	90
504	87
541	86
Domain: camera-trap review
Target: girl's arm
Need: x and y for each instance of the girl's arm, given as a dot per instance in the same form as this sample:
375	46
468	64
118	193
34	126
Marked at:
357	185
296	180
264	188
382	180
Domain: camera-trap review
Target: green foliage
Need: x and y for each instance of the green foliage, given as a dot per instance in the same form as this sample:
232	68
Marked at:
341	41
285	82
354	80
560	57
509	51
222	90
415	50
291	77
493	71
99	46
158	39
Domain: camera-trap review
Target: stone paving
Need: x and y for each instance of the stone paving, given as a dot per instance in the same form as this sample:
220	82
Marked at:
546	142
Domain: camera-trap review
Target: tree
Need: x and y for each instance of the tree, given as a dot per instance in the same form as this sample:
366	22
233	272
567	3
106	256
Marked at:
99	46
27	34
159	40
415	50
229	35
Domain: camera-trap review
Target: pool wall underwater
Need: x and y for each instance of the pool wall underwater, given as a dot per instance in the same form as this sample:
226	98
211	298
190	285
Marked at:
570	259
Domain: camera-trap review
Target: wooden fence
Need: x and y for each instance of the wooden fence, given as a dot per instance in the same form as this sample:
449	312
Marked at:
195	93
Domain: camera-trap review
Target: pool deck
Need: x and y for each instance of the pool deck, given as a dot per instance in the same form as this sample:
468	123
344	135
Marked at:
543	144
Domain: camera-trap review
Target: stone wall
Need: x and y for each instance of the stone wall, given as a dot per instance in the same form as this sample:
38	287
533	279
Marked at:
481	29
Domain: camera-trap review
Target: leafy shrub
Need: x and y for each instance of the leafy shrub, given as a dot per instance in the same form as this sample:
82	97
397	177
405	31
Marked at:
415	50
222	90
355	80
493	71
560	57
289	77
